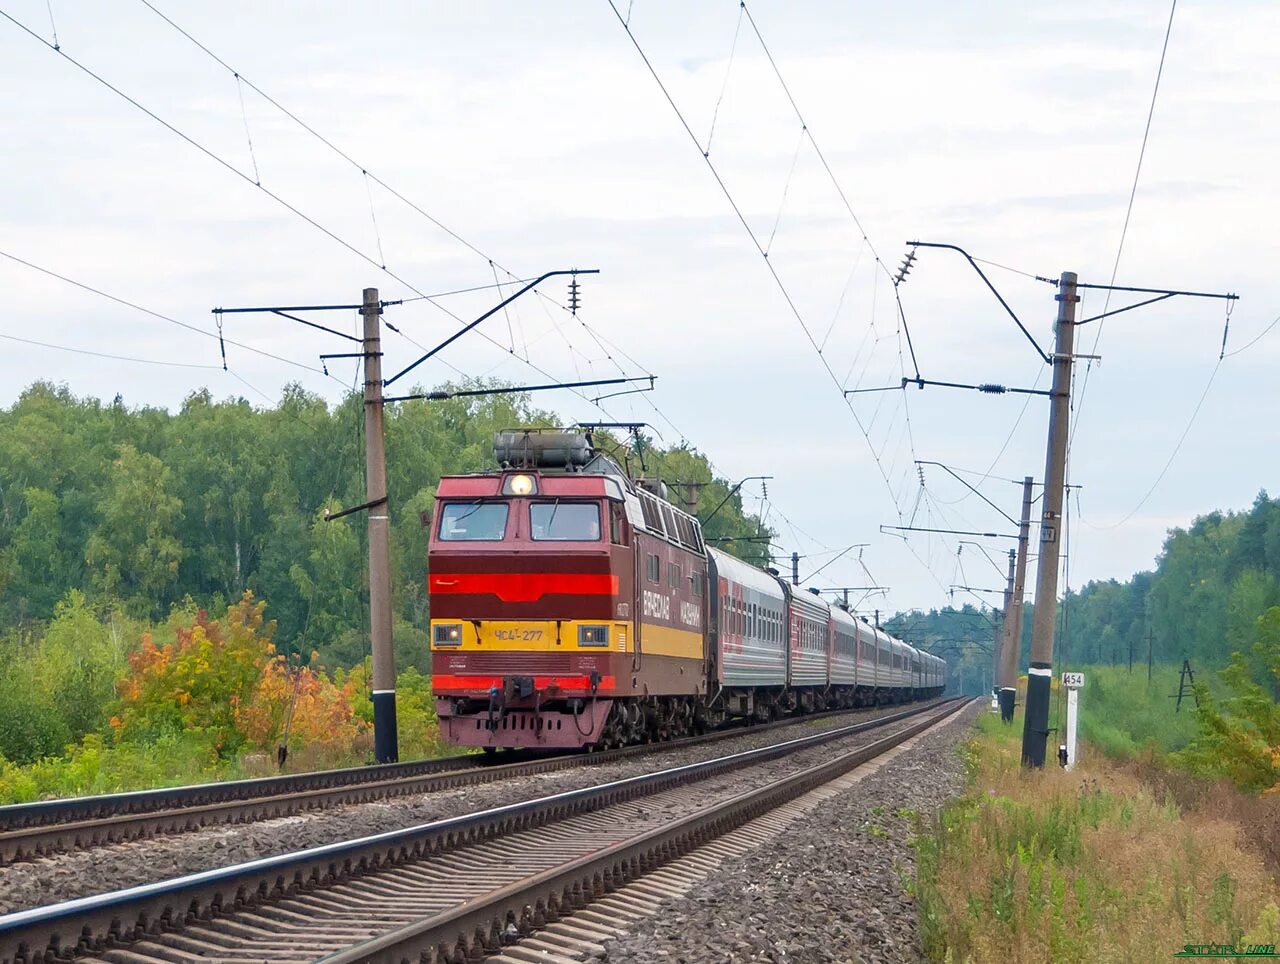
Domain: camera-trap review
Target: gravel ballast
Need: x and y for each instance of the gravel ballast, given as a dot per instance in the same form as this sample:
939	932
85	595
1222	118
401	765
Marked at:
829	889
67	876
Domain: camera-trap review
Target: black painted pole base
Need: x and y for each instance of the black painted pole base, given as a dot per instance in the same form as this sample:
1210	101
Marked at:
1035	730
1006	697
385	742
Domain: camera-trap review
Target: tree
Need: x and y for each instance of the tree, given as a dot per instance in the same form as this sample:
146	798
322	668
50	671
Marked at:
1240	737
134	552
36	564
201	680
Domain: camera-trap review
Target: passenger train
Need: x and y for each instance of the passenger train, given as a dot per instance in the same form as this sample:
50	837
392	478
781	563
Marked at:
572	606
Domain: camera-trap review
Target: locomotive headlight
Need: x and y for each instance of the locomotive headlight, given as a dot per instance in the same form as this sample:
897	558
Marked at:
521	485
593	635
448	634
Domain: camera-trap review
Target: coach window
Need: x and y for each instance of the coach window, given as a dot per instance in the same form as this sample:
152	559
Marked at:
654	569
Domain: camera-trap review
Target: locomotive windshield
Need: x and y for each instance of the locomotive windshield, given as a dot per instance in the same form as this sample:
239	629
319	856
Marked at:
565	521
473	521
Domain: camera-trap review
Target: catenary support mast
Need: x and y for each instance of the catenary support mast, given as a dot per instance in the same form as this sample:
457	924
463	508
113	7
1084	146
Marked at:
385	742
1011	645
1000	645
1040	673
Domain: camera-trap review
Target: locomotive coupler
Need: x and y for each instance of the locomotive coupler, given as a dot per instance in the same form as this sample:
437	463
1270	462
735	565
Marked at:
516	687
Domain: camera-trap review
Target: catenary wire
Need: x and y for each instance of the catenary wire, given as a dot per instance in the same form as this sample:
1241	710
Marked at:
1173	455
1128	214
276	197
1253	341
600	339
369	175
155	314
782	287
102	354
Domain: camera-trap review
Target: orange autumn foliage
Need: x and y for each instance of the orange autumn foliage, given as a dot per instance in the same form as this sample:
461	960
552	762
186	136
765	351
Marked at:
298	707
224	678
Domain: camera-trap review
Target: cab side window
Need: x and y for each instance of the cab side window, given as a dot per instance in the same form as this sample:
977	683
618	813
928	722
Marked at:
615	524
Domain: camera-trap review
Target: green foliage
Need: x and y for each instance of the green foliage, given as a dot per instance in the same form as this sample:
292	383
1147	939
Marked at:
1211	582
57	687
31	727
134	552
142	509
1239	736
1122	715
97	766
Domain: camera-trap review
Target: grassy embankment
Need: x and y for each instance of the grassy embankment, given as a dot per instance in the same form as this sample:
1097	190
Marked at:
93	703
1119	860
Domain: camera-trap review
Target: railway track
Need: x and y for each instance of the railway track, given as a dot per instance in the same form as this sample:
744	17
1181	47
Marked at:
54	826
453	889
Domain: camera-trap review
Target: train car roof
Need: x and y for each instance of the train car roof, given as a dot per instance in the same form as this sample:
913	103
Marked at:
843	616
743	573
805	598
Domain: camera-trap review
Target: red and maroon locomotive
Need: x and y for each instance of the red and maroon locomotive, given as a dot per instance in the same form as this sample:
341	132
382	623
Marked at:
566	602
571	606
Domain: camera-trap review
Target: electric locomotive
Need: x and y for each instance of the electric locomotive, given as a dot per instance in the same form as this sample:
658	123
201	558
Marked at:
573	606
566	602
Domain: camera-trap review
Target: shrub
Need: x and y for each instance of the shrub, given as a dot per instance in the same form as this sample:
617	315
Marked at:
199	681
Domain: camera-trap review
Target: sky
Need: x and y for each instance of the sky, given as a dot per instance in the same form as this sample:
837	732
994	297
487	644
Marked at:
459	145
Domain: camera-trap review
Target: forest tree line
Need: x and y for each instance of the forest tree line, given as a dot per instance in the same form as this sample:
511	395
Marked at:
174	605
141	509
1211	583
1202	601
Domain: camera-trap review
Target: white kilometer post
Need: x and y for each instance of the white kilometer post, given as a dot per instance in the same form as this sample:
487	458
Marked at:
1073	682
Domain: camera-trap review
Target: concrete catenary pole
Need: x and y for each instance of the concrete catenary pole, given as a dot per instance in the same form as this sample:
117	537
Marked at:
385	742
1040	673
1011	646
795	568
999	642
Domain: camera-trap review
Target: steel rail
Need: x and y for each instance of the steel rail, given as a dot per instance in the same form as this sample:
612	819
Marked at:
67	809
92	923
481	926
54	826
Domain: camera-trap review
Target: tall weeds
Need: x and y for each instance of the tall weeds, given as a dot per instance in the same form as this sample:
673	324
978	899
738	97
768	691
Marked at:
1080	866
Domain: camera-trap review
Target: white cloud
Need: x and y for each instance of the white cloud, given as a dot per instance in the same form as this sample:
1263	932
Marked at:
1011	129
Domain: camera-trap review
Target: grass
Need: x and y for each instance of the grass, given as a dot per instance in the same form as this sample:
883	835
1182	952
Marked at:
96	766
1124	716
1081	866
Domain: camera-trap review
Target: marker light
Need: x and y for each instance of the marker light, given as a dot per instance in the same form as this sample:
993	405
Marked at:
521	485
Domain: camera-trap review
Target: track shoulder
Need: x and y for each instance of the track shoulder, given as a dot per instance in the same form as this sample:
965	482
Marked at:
808	882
